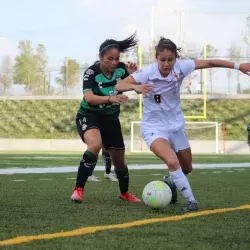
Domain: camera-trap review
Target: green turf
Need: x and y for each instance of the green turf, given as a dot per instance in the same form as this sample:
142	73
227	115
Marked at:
43	206
43	160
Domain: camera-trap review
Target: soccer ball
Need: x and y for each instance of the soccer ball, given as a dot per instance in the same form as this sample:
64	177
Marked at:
157	195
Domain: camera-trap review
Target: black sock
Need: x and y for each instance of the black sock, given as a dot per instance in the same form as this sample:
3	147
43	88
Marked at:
87	165
123	179
107	161
186	172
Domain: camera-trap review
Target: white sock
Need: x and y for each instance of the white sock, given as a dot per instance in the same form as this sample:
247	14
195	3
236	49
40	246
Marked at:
182	184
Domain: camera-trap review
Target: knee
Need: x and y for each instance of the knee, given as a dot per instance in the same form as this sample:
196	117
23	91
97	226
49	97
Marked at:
94	147
118	160
106	154
173	164
187	168
118	163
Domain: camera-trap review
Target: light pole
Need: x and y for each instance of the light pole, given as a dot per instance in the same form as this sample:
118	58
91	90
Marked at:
180	26
152	22
154	3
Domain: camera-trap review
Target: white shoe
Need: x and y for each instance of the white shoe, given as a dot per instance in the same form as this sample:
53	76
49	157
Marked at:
110	176
93	178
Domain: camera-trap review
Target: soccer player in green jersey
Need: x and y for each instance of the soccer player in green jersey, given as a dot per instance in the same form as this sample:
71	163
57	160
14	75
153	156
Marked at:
98	116
108	164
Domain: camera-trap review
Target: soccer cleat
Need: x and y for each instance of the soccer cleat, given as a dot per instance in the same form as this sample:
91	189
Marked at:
110	176
129	197
191	206
77	195
93	178
169	182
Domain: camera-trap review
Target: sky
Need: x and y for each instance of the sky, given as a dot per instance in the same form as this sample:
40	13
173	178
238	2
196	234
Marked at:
76	28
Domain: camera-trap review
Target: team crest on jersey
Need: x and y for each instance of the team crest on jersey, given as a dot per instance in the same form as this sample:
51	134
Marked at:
176	76
90	72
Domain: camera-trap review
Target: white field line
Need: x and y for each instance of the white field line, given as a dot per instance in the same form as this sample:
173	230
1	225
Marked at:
101	168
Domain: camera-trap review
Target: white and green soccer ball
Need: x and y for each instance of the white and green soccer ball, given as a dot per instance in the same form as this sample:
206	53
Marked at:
157	195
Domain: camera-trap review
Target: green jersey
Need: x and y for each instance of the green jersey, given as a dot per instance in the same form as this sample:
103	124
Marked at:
94	80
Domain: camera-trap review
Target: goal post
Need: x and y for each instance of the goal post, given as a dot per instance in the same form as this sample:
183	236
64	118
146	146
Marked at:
204	137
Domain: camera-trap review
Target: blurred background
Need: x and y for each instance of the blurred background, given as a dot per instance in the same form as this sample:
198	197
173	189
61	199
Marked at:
45	46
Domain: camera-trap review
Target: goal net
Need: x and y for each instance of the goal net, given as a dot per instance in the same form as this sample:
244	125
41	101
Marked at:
204	137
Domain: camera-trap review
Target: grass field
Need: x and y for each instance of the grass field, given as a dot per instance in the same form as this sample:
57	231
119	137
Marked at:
38	204
72	159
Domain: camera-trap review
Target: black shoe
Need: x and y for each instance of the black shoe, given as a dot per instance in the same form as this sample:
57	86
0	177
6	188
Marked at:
191	206
169	182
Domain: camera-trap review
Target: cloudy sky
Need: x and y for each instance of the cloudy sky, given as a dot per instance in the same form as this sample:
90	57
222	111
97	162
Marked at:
75	28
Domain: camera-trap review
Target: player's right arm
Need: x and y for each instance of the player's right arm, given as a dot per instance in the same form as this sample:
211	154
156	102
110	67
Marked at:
212	63
91	98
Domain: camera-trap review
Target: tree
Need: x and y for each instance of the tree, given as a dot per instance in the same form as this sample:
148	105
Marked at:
152	50
30	67
211	52
124	57
41	68
131	55
191	51
149	55
234	55
246	35
84	66
246	38
70	74
5	74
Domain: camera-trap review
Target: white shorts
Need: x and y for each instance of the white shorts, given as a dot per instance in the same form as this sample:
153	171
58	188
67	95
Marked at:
177	139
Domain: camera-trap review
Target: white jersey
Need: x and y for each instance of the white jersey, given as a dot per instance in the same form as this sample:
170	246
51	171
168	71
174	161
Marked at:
162	106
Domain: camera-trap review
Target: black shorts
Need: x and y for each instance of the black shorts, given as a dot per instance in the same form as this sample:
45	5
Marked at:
110	129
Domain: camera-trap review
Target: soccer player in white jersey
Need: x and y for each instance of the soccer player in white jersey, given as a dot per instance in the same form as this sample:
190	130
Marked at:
163	124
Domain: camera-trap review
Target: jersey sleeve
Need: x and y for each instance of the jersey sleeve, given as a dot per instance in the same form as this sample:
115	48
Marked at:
186	66
88	79
141	76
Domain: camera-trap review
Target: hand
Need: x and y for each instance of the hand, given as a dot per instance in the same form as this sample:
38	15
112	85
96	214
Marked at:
143	89
245	68
131	67
118	99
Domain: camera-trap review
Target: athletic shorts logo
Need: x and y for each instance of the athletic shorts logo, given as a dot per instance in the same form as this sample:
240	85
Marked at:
84	126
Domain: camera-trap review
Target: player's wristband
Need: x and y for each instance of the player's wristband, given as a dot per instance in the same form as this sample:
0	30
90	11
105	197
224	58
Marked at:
109	99
237	66
115	90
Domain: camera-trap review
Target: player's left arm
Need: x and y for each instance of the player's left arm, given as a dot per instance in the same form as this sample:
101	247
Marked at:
129	83
214	63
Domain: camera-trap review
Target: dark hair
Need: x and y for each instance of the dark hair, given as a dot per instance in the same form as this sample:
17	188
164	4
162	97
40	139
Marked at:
122	46
96	62
165	43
